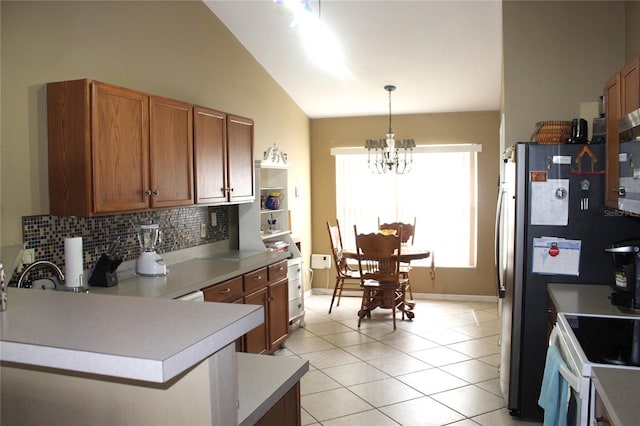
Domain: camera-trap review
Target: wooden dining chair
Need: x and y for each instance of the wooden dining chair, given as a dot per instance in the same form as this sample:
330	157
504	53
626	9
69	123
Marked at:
381	280
408	229
346	276
408	234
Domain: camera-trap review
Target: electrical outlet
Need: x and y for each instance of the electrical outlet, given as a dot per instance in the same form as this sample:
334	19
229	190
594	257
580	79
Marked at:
203	230
214	219
320	261
28	256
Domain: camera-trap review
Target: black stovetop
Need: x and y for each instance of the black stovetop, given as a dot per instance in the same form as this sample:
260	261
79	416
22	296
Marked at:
608	340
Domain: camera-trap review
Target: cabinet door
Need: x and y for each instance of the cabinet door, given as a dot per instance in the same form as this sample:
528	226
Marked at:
120	148
171	153
612	107
278	313
255	341
210	153
240	158
630	87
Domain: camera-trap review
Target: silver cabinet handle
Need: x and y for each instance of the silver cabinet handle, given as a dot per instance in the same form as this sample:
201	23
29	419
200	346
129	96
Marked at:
147	193
156	192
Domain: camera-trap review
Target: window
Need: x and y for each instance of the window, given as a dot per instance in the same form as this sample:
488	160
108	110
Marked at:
440	192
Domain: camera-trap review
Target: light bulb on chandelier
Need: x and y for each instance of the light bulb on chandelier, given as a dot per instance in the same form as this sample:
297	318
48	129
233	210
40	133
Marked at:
388	154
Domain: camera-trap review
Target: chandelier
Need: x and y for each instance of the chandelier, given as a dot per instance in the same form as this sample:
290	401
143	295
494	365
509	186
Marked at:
389	155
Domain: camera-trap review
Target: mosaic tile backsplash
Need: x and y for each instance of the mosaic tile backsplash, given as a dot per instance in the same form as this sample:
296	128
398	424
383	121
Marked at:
181	228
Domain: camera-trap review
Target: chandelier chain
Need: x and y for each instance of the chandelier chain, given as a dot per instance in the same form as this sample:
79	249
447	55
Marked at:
390	131
388	155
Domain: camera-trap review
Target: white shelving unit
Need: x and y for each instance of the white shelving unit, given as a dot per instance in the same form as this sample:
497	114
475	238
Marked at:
255	234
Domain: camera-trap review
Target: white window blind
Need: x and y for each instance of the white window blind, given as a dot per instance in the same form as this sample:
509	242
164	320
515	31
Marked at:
440	192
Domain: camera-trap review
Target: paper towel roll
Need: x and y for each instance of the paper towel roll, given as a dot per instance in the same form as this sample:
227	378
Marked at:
73	262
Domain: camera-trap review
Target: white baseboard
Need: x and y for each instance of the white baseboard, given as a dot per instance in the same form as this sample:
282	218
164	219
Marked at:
425	296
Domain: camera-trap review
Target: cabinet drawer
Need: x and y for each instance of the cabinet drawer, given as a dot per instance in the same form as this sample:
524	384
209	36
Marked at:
295	289
254	280
277	271
295	307
227	291
295	272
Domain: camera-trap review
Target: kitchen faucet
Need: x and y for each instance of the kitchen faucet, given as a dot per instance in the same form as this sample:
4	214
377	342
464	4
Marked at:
51	265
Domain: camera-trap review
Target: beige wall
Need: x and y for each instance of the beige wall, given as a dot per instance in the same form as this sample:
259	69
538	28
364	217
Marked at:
632	29
174	49
453	128
557	55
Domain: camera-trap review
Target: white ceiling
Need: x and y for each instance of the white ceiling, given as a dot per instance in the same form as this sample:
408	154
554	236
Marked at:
443	56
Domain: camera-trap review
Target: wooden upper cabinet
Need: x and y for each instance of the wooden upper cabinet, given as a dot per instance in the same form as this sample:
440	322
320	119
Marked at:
240	169
116	150
98	142
630	87
612	108
120	146
210	152
171	153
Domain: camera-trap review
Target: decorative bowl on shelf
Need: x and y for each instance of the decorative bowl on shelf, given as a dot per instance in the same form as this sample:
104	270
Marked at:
273	200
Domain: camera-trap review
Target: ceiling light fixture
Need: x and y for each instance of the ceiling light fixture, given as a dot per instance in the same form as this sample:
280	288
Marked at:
388	154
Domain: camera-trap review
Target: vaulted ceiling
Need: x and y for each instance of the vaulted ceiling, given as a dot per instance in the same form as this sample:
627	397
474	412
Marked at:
443	56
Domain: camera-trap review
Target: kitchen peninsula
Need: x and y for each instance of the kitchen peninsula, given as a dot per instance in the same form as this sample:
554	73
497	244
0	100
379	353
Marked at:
88	358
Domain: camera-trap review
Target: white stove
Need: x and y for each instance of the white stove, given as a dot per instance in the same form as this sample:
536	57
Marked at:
588	341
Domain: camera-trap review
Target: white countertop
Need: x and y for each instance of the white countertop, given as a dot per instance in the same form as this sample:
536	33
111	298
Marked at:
146	339
190	275
263	380
618	389
585	299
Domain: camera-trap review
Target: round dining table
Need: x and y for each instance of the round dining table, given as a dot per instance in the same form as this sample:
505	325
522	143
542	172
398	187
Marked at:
407	254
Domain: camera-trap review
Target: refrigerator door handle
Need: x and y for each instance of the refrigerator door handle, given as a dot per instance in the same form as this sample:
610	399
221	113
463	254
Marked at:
498	241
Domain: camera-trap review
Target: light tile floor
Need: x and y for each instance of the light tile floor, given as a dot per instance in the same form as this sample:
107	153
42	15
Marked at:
441	368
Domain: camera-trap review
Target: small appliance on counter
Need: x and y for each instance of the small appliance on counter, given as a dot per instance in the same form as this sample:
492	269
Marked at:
150	263
600	123
104	272
579	131
626	259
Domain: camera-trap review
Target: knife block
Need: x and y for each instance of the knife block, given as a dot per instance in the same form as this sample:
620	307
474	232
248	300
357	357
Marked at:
104	273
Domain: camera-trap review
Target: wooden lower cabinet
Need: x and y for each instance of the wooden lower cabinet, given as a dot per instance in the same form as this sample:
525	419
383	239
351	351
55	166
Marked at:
267	287
267	337
285	412
255	341
278	313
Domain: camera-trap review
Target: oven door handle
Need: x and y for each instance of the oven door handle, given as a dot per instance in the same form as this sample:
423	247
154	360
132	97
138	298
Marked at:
580	386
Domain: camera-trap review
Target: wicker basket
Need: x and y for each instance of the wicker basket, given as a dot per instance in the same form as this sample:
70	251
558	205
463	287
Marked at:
551	132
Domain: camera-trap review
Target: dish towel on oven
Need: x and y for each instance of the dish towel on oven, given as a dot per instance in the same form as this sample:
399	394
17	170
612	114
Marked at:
554	391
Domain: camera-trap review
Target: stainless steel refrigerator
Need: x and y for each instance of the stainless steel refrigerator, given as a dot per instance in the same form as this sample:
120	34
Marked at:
548	192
